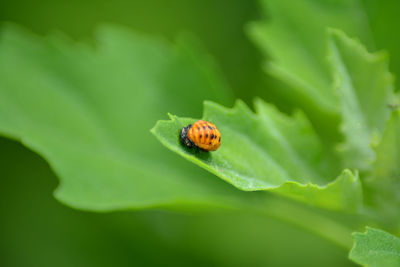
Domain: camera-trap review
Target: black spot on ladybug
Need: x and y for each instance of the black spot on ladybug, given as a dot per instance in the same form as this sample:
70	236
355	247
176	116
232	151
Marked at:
206	135
212	136
210	143
204	127
219	140
201	135
209	127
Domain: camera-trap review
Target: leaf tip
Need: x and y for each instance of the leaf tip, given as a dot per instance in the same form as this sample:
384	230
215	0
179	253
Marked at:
172	117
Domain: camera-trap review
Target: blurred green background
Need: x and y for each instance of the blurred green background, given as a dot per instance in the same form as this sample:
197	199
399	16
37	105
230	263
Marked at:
218	24
36	230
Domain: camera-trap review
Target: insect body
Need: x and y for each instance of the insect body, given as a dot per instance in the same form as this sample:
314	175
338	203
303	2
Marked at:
202	134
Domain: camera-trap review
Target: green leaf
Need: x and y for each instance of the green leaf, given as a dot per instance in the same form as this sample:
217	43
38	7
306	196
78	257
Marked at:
88	112
294	37
352	86
376	248
384	182
364	87
387	164
267	150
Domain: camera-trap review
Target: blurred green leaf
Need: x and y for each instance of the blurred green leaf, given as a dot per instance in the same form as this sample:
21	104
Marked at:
376	248
387	164
267	150
384	182
294	37
88	112
364	86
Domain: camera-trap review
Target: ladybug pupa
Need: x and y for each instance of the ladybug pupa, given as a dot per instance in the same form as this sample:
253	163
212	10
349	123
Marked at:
201	134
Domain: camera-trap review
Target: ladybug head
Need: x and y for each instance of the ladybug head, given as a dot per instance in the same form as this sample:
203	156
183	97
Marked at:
184	138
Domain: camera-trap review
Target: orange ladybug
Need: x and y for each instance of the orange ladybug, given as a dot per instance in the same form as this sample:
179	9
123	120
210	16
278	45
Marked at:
201	134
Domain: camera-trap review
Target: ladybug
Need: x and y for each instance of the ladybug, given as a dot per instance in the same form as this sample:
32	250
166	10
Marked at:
201	134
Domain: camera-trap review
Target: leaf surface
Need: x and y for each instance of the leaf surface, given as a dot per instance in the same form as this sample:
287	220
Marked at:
384	182
294	38
364	86
376	248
